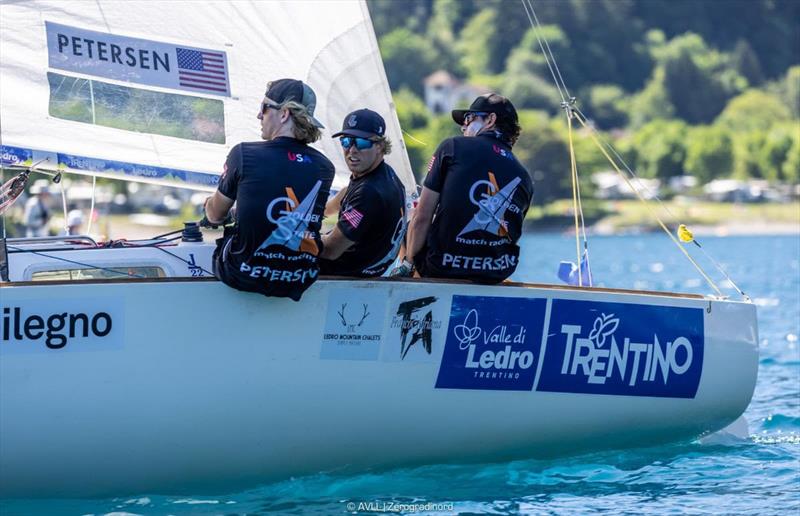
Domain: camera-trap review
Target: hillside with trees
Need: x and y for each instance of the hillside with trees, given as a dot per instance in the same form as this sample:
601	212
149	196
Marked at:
708	88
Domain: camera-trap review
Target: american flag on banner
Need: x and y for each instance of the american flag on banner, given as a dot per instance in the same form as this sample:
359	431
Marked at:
353	216
202	70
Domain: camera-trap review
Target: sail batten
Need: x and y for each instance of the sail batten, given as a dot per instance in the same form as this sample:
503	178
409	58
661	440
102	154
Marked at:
159	91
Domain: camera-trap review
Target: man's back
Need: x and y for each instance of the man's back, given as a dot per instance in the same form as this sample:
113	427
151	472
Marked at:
280	187
484	196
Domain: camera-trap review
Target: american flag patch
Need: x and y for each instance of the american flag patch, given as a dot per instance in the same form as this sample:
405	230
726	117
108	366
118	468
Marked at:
431	162
353	216
202	70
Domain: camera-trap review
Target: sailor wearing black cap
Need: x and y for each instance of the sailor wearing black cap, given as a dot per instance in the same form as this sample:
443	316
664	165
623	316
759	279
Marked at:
474	200
280	186
372	221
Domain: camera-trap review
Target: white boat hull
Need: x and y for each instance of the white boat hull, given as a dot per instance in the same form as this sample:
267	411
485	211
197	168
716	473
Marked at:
189	386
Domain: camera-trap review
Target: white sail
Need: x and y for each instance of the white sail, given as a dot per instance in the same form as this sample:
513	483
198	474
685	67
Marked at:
159	91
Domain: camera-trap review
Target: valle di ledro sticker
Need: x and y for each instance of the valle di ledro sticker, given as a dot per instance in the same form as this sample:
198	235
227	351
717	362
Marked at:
492	343
623	349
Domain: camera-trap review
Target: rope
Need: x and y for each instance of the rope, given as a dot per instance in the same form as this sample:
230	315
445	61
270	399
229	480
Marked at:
88	266
91	208
64	206
647	205
575	196
534	21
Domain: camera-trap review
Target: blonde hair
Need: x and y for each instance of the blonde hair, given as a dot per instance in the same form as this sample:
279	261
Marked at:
304	128
387	144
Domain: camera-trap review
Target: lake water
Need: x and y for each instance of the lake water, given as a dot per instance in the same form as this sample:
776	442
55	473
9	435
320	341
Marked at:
756	475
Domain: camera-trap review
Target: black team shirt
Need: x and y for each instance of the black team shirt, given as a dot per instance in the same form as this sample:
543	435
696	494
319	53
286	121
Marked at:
372	215
280	187
484	194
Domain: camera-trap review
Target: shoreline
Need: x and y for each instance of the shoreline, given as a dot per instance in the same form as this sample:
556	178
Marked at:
704	230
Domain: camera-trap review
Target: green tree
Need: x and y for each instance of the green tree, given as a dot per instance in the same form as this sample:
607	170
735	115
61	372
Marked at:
788	90
791	167
408	59
544	152
775	151
693	80
411	110
652	103
660	149
475	44
746	149
608	106
753	110
709	153
746	62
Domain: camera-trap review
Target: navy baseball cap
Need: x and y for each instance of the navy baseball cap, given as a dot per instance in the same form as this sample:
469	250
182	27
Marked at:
488	103
284	90
363	123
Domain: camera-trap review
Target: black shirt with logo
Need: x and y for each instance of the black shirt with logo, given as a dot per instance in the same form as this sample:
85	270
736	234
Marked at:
280	188
372	215
484	194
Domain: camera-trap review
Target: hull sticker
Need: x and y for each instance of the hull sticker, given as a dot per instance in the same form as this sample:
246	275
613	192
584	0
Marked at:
623	349
492	343
416	329
354	325
62	325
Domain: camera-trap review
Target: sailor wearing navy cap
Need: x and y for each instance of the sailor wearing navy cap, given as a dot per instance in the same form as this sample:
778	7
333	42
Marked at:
280	186
372	220
474	199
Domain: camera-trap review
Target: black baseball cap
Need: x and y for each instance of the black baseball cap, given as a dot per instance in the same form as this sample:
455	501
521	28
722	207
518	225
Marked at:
488	103
284	90
363	123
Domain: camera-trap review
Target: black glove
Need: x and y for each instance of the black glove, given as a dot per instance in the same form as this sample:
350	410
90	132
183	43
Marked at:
205	223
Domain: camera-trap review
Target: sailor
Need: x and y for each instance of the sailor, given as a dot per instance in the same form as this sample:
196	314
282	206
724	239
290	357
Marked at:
280	186
36	215
372	221
474	200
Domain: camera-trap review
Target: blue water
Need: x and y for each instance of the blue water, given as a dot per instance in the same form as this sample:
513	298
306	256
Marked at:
756	475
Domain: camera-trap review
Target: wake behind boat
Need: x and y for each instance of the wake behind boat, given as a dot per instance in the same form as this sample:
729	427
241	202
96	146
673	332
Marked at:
116	376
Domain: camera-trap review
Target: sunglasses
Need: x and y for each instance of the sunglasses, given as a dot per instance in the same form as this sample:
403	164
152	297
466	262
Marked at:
360	143
469	117
265	106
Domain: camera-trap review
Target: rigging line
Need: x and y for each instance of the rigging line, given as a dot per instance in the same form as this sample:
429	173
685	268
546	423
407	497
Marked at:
647	205
720	269
552	56
64	206
633	174
409	135
91	208
574	172
544	52
166	234
664	207
89	266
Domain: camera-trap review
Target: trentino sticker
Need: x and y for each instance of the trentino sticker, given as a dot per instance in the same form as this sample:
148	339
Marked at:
623	349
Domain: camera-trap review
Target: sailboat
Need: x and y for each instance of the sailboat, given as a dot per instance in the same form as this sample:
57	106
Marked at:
129	368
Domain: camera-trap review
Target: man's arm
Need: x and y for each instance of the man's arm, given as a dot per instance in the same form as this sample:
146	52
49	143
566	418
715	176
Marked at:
333	205
335	244
217	207
421	223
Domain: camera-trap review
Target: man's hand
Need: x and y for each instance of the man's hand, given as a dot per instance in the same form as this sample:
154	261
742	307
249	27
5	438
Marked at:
205	223
403	270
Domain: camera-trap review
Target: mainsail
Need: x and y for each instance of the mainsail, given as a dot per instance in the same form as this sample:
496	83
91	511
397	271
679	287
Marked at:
159	91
